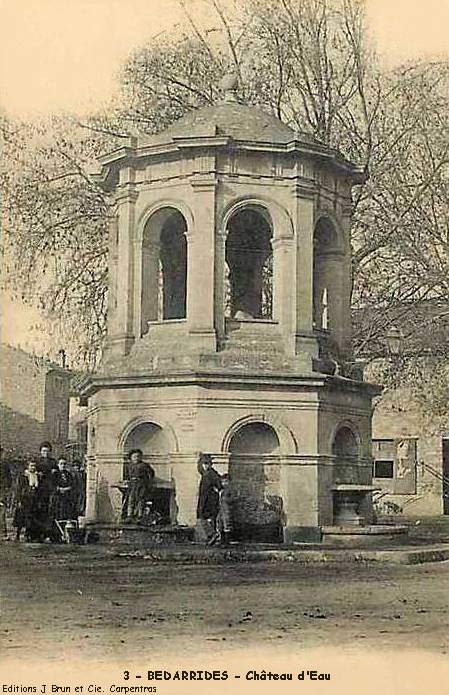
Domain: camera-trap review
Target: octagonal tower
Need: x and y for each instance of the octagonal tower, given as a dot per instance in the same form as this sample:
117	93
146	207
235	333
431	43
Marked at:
229	327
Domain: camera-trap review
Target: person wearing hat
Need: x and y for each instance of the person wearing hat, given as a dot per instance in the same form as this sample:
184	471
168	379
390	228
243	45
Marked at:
210	484
140	481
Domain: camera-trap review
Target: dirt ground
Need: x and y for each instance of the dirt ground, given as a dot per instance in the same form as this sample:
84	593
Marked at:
93	604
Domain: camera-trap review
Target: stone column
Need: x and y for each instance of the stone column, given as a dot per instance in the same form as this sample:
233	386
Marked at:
219	293
187	480
201	267
108	498
284	294
124	335
346	284
306	342
146	286
335	288
91	489
112	276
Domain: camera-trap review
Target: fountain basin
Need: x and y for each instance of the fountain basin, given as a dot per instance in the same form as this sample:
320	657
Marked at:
348	499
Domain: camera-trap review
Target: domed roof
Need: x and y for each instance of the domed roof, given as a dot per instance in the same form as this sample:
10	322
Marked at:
230	119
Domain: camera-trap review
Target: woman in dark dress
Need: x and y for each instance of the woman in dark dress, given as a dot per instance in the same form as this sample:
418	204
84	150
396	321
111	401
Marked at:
61	504
30	513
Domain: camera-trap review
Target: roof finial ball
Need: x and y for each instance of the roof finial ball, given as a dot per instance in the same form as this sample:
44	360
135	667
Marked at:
228	86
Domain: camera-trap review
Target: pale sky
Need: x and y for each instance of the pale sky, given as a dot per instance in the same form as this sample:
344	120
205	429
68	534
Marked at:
64	54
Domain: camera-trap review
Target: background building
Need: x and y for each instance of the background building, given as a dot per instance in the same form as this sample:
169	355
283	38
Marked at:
411	457
34	402
407	344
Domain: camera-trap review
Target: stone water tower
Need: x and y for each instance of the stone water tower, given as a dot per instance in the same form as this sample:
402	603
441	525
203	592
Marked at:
229	327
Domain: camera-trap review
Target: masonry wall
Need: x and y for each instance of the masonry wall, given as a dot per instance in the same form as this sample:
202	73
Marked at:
397	416
56	407
33	403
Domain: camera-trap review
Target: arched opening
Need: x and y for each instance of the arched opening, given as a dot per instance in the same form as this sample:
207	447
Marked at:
173	267
345	443
345	449
254	438
164	267
155	446
249	261
148	437
255	473
325	245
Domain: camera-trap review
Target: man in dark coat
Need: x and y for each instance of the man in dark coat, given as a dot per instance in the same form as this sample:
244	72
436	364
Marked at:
140	481
208	494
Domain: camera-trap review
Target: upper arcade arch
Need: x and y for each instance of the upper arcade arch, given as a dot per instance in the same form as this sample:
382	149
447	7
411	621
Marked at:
275	215
162	208
163	267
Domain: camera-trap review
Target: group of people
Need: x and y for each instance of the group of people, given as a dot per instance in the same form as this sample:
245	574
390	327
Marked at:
49	490
215	496
45	492
215	500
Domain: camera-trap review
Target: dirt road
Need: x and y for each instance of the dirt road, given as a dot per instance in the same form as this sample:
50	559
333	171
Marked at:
87	602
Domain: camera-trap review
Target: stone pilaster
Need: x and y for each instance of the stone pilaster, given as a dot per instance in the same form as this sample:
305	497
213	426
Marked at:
147	285
336	305
306	342
219	294
201	268
187	480
299	491
112	273
346	285
104	501
124	329
284	289
91	489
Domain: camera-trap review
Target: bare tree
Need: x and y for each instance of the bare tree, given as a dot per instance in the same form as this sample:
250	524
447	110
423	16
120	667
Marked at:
310	64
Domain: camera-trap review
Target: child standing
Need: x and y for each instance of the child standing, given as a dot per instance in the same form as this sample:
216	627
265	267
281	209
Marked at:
224	518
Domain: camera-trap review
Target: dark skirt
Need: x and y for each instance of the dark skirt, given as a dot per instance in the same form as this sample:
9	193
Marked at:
30	514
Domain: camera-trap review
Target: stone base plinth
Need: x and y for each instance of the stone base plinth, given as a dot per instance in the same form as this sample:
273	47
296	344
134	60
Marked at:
364	536
301	534
140	536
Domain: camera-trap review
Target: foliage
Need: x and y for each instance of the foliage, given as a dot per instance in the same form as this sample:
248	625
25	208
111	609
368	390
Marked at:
310	64
54	221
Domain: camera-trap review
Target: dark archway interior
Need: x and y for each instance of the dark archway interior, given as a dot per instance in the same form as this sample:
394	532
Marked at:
325	236
254	470
148	437
254	438
345	443
249	259
325	243
173	267
155	446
